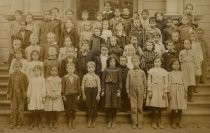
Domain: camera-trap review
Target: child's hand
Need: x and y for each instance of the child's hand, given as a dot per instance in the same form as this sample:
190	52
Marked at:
84	98
8	97
102	93
78	97
150	95
97	98
118	94
64	98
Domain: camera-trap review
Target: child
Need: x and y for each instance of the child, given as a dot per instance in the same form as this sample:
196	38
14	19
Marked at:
125	105
191	17
69	59
184	29
55	18
196	47
106	32
111	89
145	18
15	25
71	93
128	52
100	60
137	30
36	95
157	92
63	50
134	44
204	46
53	102
34	46
98	22
31	25
19	56
51	42
160	21
148	56
69	31
136	89
16	93
16	45
51	61
46	26
69	14
86	34
24	34
127	17
135	15
85	16
95	45
169	55
177	93
107	13
84	56
34	62
114	47
152	29
118	19
91	89
188	67
159	47
177	42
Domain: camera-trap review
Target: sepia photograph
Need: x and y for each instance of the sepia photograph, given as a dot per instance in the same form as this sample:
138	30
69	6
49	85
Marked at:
108	66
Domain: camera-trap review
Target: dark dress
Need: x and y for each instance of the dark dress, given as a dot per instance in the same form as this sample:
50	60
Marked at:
64	62
111	85
48	64
25	38
167	58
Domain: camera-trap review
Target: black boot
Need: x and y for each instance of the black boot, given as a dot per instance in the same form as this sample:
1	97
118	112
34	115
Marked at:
160	125
73	123
180	125
154	119
89	118
94	115
114	115
190	91
109	118
173	119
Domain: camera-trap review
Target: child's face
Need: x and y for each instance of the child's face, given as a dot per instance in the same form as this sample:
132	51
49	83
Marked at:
16	44
29	19
97	32
189	9
135	16
104	51
112	63
55	13
68	42
126	11
69	15
152	23
200	34
18	55
136	63
113	41
192	37
149	46
119	27
175	65
87	27
54	71
134	40
35	56
156	38
18	16
117	13
105	25
37	72
91	68
169	23
51	39
175	36
47	15
187	44
159	17
22	25
157	63
85	46
170	46
68	24
107	7
70	69
17	68
70	52
123	61
184	20
34	40
99	17
85	16
137	23
145	15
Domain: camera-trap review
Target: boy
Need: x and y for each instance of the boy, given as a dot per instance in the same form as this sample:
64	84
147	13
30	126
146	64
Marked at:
159	47
55	14
145	18
107	13
69	14
16	44
24	34
34	46
117	19
127	16
95	46
15	25
169	55
71	92
175	37
125	103
16	92
204	46
31	25
185	28
136	89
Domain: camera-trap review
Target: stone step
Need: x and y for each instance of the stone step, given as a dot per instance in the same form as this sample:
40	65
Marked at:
201	96
4	78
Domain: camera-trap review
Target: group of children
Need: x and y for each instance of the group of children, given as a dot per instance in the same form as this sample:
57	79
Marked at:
117	63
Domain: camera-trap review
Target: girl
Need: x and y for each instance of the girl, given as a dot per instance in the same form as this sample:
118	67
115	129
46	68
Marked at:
98	22
191	17
114	47
188	67
34	61
53	103
159	47
177	93
129	51
160	21
157	92
36	95
91	89
111	89
85	16
63	50
184	29
148	56
86	34
106	32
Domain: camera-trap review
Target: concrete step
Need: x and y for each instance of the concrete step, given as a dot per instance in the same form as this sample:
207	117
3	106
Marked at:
199	105
4	78
201	96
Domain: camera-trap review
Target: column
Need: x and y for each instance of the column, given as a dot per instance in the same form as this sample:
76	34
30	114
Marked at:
174	7
34	7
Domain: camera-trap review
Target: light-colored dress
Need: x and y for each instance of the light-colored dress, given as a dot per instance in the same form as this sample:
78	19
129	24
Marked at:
53	97
159	48
157	84
106	34
178	88
187	59
36	93
86	35
30	67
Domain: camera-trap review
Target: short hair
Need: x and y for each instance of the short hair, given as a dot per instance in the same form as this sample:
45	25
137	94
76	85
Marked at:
103	45
55	8
135	57
37	67
34	34
97	13
69	10
70	65
51	34
135	12
17	39
117	9
157	34
145	11
200	29
189	4
29	14
19	50
85	41
123	56
152	19
158	13
19	12
158	58
91	63
112	56
107	2
22	20
85	12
